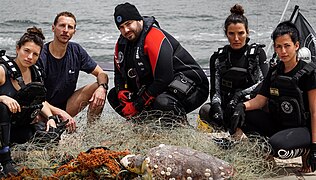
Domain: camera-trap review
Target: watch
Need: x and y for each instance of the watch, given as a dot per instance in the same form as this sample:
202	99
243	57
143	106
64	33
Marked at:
104	85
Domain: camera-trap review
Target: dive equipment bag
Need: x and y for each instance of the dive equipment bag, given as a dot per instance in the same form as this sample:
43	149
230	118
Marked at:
181	85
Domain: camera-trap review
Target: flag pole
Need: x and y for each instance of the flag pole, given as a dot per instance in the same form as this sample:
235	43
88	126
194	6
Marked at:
282	16
294	14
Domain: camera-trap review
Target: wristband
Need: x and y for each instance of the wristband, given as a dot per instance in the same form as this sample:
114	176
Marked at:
104	85
51	117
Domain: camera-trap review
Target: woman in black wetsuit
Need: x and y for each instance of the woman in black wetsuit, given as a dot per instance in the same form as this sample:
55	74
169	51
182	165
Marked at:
22	96
236	70
289	89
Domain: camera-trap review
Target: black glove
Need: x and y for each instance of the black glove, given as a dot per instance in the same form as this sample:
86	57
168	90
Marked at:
238	118
143	100
312	157
217	113
41	136
230	108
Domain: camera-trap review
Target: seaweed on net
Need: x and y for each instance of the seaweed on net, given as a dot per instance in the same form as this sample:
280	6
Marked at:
247	156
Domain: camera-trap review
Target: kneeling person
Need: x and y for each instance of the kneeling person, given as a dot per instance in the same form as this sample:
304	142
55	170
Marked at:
152	70
22	96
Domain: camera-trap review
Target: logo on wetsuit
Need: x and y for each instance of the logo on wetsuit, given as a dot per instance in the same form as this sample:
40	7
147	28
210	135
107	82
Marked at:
120	57
286	107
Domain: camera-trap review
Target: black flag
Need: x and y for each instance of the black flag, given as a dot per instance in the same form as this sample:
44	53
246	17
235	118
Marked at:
307	33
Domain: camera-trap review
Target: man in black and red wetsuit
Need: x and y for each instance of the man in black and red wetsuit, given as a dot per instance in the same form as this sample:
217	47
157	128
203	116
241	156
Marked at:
152	70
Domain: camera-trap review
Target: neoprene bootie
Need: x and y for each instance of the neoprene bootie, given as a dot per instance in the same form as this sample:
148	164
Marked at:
6	164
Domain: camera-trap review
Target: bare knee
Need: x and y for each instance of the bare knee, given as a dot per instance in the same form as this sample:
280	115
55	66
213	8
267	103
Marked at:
80	99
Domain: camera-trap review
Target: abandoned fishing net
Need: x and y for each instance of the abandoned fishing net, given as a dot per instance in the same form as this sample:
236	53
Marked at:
94	151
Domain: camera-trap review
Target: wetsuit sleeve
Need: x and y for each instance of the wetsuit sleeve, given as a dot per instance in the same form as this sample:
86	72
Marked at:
212	73
160	53
216	98
262	62
118	78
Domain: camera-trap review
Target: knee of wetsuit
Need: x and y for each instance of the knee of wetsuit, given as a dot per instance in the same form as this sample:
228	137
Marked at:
112	98
4	113
4	135
4	126
205	111
167	102
290	143
164	102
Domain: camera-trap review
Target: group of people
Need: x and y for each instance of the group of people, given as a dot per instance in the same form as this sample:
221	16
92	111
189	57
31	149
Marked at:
249	97
152	71
38	86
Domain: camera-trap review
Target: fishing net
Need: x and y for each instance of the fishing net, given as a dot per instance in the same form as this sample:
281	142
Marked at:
71	157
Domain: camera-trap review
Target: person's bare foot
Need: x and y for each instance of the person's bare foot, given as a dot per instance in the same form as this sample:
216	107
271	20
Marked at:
271	161
305	167
239	135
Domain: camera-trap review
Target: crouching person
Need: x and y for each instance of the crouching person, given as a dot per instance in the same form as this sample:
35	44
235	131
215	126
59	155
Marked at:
22	96
152	70
289	90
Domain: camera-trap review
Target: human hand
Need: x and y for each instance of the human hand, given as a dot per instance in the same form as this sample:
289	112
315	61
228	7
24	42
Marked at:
129	110
98	97
144	100
11	103
71	125
238	118
312	157
50	123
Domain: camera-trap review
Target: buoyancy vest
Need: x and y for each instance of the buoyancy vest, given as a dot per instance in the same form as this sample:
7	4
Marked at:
31	96
232	78
141	61
286	102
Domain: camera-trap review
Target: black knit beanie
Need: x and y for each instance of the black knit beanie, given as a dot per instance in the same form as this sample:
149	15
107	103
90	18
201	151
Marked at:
125	12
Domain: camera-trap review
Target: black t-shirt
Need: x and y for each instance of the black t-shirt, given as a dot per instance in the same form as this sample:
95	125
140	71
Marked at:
61	75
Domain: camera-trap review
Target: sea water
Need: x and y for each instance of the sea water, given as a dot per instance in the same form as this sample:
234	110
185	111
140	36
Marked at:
198	24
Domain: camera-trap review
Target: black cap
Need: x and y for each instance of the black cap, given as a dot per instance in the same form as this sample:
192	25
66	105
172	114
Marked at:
125	12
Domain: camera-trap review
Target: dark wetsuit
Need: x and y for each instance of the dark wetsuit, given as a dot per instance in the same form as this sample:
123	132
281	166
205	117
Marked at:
12	130
287	141
154	61
246	83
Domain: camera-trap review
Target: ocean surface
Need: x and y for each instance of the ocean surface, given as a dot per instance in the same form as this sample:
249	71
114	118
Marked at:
197	24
